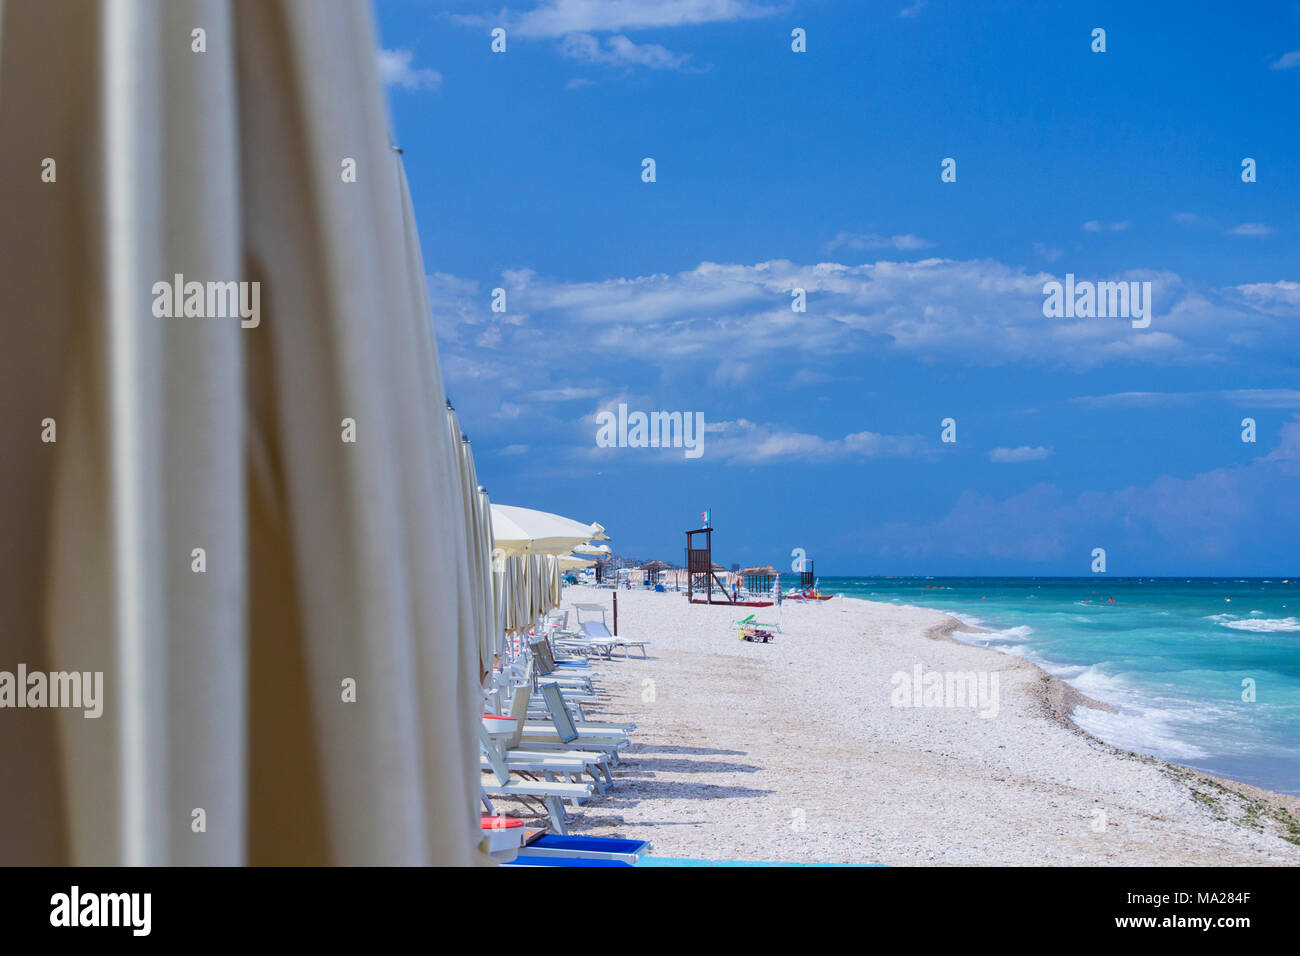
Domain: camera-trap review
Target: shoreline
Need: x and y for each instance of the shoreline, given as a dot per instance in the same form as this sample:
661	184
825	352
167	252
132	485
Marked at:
739	745
1059	700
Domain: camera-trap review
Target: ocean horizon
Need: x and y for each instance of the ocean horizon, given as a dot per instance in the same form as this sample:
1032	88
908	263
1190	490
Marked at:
1179	658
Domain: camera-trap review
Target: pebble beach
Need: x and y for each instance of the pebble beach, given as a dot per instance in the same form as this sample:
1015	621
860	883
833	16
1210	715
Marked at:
811	749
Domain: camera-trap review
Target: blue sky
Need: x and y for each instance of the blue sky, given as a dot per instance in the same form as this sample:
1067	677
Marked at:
821	170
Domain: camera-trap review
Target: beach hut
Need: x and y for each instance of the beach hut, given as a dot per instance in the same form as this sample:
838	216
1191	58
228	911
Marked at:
654	572
758	580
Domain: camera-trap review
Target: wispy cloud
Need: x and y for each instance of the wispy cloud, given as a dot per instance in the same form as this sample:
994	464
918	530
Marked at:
746	442
1044	251
1095	225
1199	518
972	312
1022	453
912	11
568	394
1254	229
620	51
1243	397
869	240
395	69
1287	61
554	18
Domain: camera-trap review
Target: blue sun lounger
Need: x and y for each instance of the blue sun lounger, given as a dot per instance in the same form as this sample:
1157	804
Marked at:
522	860
551	846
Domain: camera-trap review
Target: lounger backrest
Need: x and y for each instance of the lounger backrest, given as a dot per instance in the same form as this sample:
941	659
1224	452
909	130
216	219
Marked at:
538	649
590	609
519	711
495	760
560	715
595	629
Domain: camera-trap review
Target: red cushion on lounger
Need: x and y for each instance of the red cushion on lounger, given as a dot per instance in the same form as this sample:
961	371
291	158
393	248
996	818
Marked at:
499	823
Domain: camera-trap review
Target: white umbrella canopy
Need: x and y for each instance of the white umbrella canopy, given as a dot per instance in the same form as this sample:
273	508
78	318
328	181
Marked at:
527	531
571	562
527	576
591	549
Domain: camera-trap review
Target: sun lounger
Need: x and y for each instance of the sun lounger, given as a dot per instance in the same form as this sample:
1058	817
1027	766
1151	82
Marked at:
498	781
546	667
562	729
584	847
597	762
531	860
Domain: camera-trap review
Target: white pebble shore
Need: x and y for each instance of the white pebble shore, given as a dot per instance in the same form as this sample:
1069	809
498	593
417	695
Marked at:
792	751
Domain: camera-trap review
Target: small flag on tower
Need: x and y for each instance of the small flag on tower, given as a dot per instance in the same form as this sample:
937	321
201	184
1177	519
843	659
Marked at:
704	516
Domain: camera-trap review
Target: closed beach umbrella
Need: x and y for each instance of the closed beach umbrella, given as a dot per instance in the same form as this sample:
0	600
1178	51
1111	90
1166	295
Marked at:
492	582
479	554
315	688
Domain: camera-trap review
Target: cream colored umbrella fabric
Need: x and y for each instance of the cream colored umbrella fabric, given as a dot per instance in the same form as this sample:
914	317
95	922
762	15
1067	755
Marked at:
556	597
479	538
492	584
327	566
526	530
526	542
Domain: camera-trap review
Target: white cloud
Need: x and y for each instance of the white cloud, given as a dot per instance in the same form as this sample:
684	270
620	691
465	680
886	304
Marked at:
869	240
1095	225
1202	518
1278	298
1243	397
395	69
975	312
1287	61
913	11
620	51
567	394
1047	252
1253	229
553	18
1022	453
514	450
745	442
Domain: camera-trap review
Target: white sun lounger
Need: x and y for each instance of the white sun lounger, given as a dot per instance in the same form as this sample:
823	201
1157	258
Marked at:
594	762
498	781
562	729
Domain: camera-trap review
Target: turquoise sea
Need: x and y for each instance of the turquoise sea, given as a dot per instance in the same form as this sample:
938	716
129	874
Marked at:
1175	656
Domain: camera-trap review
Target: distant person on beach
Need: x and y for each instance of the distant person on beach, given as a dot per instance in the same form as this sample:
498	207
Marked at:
735	589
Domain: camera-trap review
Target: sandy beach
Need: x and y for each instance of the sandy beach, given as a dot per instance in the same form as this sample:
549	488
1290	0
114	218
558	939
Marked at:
796	751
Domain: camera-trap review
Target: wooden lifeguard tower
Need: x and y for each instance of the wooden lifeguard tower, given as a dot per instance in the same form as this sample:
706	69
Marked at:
700	574
699	568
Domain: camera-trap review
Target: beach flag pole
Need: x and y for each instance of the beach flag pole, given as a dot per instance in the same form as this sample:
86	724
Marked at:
616	611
